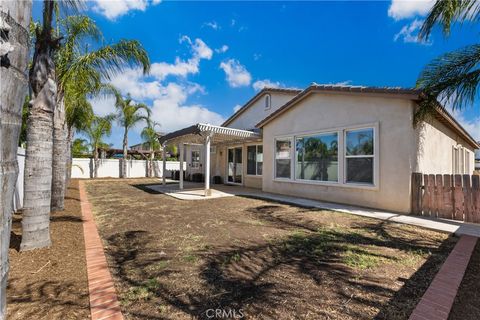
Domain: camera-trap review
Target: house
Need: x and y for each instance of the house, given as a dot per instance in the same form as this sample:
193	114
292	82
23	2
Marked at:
346	144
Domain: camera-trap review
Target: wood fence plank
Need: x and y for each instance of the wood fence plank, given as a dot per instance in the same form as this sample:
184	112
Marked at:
448	208
467	198
426	196
417	193
432	204
476	198
439	194
458	198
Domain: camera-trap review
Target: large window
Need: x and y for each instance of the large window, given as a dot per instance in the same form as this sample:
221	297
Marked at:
359	156
255	160
317	157
461	160
283	158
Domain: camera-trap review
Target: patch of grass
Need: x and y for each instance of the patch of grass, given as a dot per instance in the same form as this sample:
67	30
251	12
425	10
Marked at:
358	258
190	258
141	293
235	257
158	266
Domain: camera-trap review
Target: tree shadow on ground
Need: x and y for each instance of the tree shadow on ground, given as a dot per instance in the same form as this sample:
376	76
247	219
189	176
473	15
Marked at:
51	299
266	278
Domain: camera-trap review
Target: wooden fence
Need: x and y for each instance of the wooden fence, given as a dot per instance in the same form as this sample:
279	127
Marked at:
449	196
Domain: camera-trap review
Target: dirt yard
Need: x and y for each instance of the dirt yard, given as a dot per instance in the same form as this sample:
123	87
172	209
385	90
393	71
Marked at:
238	256
51	283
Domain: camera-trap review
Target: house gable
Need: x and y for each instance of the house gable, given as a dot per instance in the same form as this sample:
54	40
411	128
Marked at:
256	108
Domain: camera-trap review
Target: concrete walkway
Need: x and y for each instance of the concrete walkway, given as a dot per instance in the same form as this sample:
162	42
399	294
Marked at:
195	191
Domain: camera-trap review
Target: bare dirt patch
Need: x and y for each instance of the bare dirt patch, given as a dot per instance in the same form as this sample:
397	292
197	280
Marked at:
51	283
174	259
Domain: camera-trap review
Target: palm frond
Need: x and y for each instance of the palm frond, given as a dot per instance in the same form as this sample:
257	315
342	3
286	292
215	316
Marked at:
453	77
112	59
444	12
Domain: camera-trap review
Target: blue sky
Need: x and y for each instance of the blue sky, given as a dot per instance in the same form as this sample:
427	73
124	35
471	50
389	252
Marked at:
211	57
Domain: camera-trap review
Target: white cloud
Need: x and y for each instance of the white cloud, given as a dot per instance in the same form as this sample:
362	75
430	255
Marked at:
172	113
236	108
103	105
212	24
260	84
472	125
222	49
237	74
403	9
409	33
200	50
113	9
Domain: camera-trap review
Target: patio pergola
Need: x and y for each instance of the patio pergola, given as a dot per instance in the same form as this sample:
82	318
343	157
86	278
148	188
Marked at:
206	135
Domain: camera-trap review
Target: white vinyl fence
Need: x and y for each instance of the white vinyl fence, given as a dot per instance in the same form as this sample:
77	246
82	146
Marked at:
109	168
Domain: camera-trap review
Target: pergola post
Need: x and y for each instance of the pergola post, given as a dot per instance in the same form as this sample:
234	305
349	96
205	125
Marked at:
180	149
208	192
164	162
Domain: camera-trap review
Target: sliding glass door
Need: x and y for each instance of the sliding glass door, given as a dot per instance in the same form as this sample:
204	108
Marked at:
234	165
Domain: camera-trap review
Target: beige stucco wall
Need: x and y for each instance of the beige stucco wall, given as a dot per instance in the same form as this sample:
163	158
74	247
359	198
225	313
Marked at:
257	112
396	148
219	166
435	148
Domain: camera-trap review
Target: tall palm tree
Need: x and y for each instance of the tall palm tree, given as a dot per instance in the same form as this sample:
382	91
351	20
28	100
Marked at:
454	77
129	114
16	18
96	130
38	155
80	72
149	135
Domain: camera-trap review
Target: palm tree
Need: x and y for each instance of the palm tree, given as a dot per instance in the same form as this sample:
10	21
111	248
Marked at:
79	147
455	76
96	130
149	135
128	115
16	15
38	155
80	72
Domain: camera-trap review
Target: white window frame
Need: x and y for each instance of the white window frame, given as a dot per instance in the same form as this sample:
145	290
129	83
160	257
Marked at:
341	157
374	156
268	101
195	164
283	138
295	157
468	170
256	145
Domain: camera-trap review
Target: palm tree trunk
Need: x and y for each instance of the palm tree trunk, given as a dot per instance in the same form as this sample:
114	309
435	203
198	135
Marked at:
125	154
15	14
38	155
95	163
60	152
69	156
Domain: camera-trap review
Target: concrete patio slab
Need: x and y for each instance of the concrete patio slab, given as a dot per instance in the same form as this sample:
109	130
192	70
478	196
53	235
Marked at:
195	191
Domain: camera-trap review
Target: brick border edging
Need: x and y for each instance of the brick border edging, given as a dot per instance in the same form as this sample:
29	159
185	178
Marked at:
437	301
103	297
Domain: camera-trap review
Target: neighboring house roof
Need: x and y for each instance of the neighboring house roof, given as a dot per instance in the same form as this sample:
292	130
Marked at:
256	97
412	94
140	144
